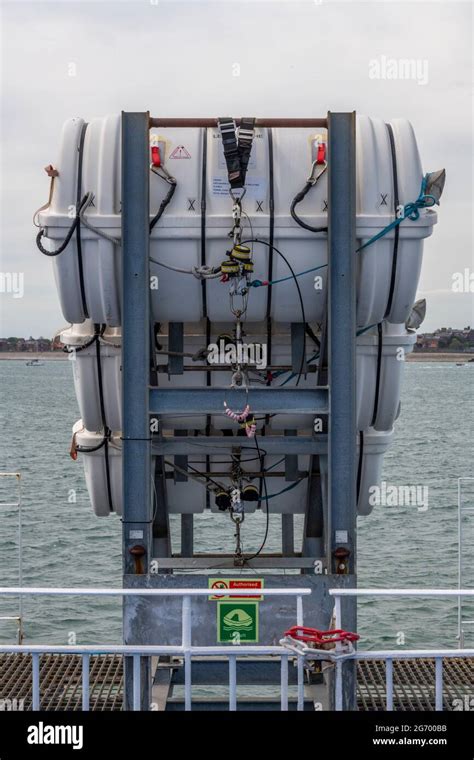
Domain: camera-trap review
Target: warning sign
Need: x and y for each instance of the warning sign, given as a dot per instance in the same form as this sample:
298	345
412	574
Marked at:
235	583
237	622
180	152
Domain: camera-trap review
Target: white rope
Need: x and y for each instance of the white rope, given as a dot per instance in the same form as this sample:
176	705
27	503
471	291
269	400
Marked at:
202	272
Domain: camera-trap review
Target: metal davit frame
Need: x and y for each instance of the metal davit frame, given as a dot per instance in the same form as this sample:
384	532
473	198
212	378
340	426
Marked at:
330	528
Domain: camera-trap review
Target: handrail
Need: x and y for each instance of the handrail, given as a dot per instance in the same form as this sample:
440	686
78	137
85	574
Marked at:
79	591
276	123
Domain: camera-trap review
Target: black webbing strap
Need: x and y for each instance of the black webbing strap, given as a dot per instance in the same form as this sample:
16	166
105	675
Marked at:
395	209
203	219
237	152
80	266
246	133
379	368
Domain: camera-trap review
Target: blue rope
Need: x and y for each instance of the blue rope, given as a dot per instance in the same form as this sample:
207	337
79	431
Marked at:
410	211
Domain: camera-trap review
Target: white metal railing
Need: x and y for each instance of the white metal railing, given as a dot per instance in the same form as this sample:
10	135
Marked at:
16	504
185	649
395	654
462	511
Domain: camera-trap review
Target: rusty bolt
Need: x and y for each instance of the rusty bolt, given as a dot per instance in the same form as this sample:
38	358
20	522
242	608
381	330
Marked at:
341	554
138	552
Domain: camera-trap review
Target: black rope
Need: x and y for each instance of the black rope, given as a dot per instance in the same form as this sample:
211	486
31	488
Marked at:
203	218
99	331
379	369
267	522
68	237
303	315
296	200
82	347
80	264
395	209
164	203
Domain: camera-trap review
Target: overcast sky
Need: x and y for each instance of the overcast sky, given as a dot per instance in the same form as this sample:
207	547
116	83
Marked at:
175	59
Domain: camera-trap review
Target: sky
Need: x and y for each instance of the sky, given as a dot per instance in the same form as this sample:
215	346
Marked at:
177	58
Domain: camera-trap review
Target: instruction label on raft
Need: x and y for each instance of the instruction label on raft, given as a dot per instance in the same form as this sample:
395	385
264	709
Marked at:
235	583
255	187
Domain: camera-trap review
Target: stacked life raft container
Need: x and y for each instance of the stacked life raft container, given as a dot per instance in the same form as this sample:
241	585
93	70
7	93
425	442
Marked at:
189	180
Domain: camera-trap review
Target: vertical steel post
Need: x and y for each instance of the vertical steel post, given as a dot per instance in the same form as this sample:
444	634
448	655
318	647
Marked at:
136	462
341	333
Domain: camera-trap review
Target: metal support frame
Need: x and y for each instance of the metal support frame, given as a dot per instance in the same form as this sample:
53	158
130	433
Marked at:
337	402
341	345
137	514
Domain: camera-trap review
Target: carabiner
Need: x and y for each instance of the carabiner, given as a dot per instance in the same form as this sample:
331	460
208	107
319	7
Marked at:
163	173
314	175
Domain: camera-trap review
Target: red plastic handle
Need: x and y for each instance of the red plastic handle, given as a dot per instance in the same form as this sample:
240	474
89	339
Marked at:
155	155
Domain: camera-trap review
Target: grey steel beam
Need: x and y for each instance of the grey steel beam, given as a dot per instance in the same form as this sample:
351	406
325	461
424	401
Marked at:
136	460
262	400
300	444
342	332
221	562
175	346
287	535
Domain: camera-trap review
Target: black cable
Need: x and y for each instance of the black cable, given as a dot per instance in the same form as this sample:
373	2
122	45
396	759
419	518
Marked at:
267	525
68	237
314	338
90	449
379	369
203	218
82	347
99	331
296	200
164	203
303	315
80	266
397	228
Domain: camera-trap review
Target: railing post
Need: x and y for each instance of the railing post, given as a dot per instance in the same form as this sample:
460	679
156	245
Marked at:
300	661
389	683
136	682
186	643
85	682
284	683
35	700
439	684
232	682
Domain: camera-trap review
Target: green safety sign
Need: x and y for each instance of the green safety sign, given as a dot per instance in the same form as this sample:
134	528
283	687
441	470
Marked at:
237	622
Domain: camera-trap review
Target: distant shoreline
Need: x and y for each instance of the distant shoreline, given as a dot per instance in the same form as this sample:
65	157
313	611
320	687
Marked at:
60	356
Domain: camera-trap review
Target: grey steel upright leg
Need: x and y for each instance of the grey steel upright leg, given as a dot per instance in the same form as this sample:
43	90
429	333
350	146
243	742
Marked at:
342	331
137	526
